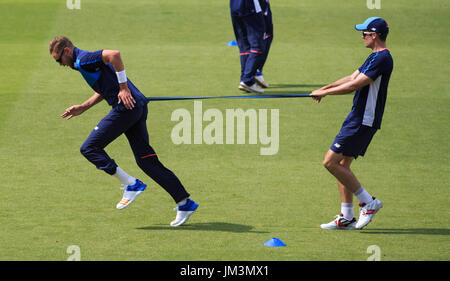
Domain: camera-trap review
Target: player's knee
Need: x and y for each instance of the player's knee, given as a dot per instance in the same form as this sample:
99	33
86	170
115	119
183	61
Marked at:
346	162
329	164
85	150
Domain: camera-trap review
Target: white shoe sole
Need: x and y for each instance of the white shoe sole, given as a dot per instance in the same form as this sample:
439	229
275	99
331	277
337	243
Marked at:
243	89
127	201
183	220
248	89
327	227
370	217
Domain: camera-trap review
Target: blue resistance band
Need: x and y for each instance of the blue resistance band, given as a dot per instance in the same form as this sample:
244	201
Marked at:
229	97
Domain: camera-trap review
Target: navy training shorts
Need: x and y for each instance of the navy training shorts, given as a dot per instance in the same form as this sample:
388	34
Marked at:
353	140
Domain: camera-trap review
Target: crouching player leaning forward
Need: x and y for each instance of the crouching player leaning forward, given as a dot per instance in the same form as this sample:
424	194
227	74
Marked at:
104	71
370	82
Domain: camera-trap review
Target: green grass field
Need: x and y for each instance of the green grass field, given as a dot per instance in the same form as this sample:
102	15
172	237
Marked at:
52	197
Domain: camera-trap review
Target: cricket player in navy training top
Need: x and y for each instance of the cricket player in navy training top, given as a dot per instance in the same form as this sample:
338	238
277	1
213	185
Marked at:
104	71
370	82
248	25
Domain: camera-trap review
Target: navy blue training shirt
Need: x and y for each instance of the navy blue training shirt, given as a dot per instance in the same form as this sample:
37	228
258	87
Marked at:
369	101
102	78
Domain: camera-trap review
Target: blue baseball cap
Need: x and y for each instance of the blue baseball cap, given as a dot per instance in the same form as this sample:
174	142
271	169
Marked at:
374	24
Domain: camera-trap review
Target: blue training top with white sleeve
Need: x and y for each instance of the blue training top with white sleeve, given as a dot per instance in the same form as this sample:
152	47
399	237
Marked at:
102	78
369	101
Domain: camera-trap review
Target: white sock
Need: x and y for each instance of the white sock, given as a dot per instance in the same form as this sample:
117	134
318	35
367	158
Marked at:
347	211
125	178
363	196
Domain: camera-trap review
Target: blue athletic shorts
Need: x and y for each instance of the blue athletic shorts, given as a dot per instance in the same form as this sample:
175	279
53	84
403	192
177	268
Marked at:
353	140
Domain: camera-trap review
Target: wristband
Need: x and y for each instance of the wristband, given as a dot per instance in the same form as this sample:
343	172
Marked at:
121	76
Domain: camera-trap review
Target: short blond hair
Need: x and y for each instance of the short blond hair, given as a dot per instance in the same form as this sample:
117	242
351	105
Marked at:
58	43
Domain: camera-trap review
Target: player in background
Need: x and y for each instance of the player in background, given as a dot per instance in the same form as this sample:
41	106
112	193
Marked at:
248	25
104	71
370	81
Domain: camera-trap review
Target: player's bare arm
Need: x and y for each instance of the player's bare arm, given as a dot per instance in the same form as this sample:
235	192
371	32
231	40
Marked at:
124	95
352	83
341	81
78	109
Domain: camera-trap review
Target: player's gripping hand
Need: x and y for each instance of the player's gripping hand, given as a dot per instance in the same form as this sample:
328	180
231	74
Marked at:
317	95
72	111
126	97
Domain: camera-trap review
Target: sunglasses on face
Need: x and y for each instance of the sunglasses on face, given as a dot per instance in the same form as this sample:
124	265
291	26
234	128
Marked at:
365	33
60	56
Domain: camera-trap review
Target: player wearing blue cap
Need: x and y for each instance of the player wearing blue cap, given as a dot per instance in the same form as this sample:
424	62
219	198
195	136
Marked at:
248	25
104	71
370	82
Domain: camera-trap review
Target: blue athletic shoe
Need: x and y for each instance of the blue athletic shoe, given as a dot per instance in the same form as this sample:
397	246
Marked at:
130	193
184	212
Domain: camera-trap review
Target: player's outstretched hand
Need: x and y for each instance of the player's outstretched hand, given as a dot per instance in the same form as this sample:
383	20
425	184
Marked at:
72	111
317	95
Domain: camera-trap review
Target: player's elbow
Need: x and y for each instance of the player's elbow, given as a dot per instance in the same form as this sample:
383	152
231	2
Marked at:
352	87
360	82
116	52
110	55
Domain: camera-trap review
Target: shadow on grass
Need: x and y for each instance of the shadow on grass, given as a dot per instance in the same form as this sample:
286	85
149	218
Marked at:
207	226
426	231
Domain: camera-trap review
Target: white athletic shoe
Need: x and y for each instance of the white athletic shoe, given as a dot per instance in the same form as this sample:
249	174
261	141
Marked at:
250	89
367	211
259	79
340	223
130	193
184	212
